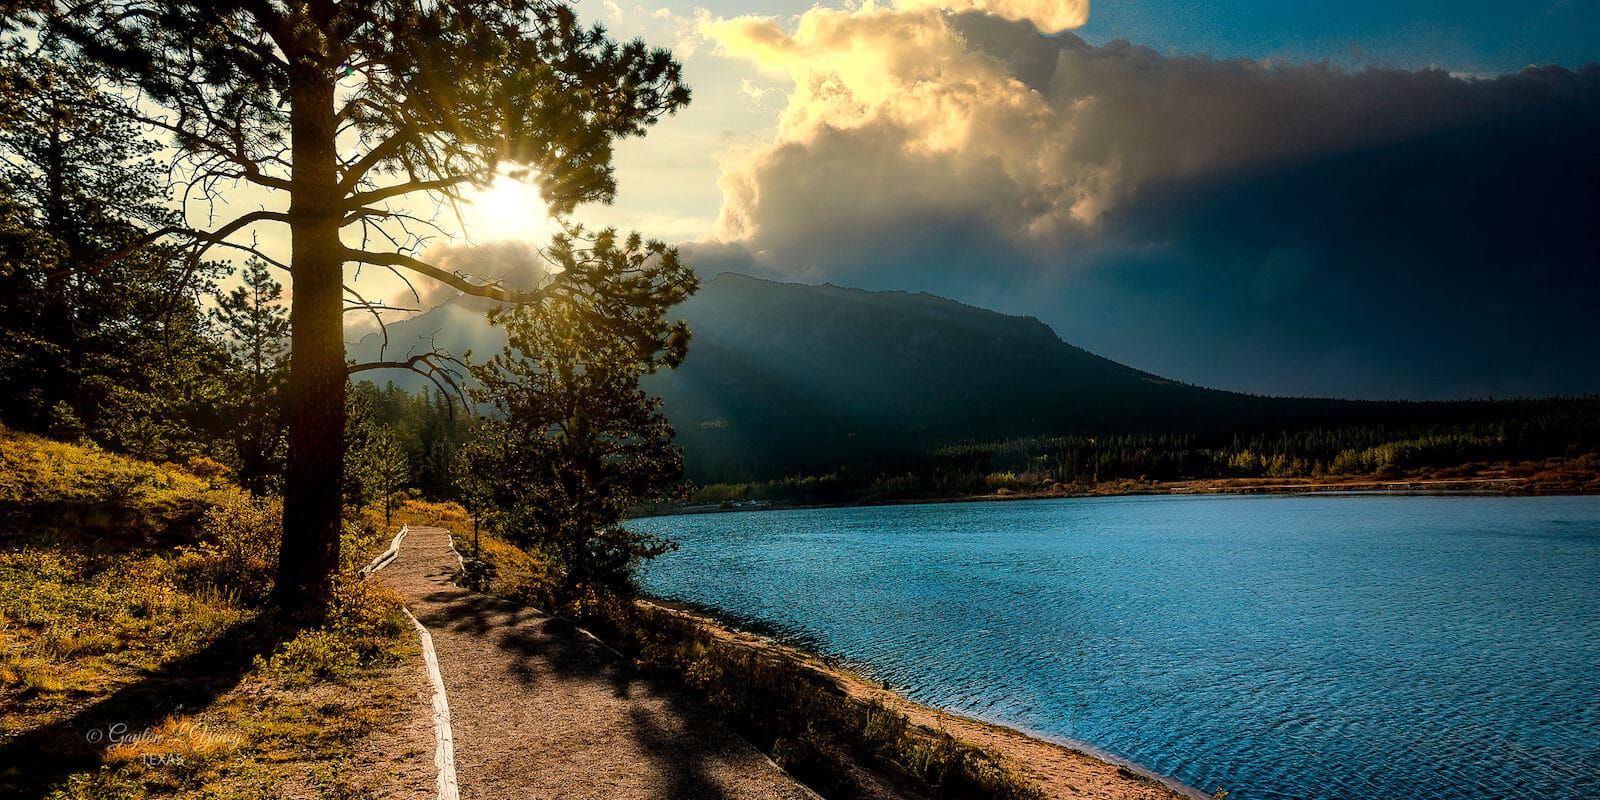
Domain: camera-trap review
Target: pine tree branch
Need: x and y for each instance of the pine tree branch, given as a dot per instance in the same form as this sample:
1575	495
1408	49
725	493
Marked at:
360	199
384	149
455	280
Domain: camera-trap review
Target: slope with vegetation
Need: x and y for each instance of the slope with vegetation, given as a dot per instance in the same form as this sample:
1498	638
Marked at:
789	381
136	656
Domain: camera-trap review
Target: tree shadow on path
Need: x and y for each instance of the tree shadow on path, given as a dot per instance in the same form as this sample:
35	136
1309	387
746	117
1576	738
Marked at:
529	636
686	761
688	750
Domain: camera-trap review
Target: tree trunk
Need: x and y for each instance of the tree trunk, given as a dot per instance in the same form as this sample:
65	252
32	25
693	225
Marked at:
314	474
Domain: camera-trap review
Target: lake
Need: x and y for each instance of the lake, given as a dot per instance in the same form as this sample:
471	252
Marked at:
1335	646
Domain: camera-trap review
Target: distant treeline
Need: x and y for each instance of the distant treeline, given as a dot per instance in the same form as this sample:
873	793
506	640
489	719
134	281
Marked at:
426	436
1465	435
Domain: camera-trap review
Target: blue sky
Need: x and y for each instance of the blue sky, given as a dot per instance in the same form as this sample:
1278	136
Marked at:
1488	36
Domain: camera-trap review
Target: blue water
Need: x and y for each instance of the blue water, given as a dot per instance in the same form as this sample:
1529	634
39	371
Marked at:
1365	647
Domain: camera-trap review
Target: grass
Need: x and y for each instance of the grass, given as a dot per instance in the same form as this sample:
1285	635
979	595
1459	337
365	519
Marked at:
79	490
135	656
74	621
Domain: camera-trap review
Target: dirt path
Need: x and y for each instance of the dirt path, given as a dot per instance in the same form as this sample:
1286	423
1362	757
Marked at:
541	711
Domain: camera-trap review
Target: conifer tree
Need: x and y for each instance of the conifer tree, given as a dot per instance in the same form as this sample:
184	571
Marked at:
256	325
576	441
102	337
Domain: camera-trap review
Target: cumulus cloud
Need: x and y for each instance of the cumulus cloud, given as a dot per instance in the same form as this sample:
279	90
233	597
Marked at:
1049	16
913	110
878	83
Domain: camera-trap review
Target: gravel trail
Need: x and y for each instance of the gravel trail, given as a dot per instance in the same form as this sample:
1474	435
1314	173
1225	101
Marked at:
541	711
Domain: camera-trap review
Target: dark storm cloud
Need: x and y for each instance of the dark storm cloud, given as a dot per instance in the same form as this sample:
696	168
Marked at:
1466	262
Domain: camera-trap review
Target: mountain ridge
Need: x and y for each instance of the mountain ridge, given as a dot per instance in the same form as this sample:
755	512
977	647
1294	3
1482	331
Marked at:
790	378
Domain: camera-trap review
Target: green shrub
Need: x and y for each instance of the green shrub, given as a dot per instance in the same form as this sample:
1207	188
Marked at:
237	555
313	655
369	618
363	631
362	535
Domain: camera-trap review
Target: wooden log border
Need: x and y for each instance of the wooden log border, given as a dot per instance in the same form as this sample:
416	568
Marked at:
444	753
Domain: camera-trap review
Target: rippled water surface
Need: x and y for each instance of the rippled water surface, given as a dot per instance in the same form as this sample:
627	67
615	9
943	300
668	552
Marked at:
1281	647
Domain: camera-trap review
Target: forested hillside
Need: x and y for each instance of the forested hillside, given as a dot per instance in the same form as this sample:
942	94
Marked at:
785	381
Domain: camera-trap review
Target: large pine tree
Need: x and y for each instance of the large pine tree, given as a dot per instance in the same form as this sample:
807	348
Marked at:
345	109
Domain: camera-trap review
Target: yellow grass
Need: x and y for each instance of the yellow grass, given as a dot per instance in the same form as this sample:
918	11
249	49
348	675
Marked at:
111	569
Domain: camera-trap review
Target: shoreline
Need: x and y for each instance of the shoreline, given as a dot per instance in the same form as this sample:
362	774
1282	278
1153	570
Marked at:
1476	486
1059	766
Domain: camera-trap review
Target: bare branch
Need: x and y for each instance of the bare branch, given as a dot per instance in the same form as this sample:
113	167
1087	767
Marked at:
215	237
255	251
250	170
442	370
384	149
210	239
133	247
366	213
412	363
363	304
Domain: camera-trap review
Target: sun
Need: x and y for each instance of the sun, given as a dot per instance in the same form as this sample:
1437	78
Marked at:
506	209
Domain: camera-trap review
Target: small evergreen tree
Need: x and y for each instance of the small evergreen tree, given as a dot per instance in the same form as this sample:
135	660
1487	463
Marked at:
361	428
577	441
472	488
389	468
256	326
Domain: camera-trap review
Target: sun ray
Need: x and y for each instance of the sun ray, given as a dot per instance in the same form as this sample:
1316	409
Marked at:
507	209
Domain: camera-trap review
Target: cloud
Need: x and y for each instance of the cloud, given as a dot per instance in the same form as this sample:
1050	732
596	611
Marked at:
1255	218
1044	134
1049	16
757	94
873	85
658	25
